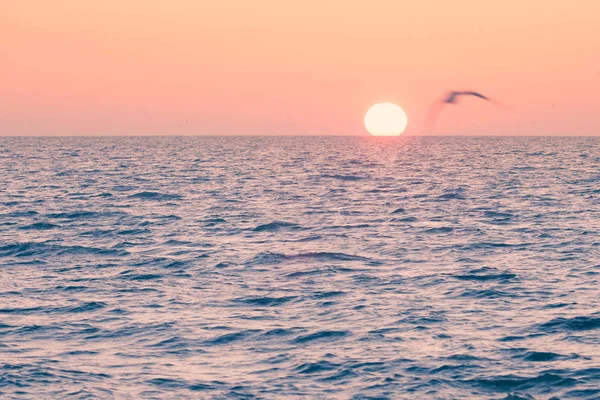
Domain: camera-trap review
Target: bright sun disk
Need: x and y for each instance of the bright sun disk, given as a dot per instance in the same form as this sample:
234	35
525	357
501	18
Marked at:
385	119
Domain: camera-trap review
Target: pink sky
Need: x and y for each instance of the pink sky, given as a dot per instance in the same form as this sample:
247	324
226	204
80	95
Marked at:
140	67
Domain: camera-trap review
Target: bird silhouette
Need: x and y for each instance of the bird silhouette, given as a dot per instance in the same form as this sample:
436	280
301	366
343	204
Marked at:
450	98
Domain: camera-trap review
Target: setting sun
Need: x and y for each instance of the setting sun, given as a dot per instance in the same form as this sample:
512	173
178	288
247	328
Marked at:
385	119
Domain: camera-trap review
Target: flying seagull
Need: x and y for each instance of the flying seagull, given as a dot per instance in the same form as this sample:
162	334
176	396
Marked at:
450	98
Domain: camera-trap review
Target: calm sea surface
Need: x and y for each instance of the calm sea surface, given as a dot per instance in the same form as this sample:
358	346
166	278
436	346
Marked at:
257	267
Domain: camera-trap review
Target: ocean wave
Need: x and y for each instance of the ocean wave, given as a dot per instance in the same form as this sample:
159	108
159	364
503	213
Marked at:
406	219
276	258
310	238
546	380
74	215
30	249
440	230
450	196
321	336
541	356
491	245
486	293
351	178
80	308
276	226
265	300
574	324
497	214
18	214
132	276
326	295
280	332
158	196
39	226
485	276
229	338
317	367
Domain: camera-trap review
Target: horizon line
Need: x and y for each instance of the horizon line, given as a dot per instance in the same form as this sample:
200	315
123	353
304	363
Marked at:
281	135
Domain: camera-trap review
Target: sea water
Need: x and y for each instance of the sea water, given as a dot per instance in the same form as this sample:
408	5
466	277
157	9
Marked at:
290	267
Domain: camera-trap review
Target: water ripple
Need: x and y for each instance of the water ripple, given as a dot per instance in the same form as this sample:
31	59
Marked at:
276	267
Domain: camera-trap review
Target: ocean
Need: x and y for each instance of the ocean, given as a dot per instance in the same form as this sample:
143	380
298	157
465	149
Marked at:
300	267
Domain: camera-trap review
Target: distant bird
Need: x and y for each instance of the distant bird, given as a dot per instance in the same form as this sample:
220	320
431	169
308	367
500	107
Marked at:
450	98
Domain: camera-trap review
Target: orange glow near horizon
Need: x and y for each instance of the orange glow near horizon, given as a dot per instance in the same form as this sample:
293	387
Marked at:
313	67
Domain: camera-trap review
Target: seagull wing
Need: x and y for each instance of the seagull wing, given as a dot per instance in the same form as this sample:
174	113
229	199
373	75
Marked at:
451	97
494	102
476	94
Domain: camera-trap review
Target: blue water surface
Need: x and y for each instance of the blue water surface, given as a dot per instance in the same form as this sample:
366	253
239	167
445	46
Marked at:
300	267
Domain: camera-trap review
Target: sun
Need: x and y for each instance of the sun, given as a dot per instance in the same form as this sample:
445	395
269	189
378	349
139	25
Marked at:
385	119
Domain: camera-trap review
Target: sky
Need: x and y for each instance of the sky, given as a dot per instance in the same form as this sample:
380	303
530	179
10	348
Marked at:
273	67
